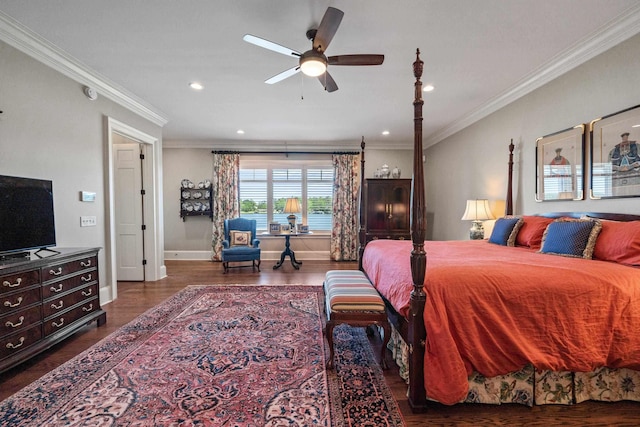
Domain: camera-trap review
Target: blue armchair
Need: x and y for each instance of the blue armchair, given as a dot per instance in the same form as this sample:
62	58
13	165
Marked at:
240	243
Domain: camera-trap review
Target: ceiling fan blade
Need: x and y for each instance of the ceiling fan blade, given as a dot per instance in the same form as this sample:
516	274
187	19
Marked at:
327	28
356	59
283	75
328	82
270	45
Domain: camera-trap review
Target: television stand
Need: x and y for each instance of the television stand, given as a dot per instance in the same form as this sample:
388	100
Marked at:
45	301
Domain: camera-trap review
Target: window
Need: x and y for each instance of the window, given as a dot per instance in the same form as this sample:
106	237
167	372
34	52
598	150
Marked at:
266	183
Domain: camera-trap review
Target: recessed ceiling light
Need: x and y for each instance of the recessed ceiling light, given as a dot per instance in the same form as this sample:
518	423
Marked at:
196	86
240	132
385	132
428	88
636	126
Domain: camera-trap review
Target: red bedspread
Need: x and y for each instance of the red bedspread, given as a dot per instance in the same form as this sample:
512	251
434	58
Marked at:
494	309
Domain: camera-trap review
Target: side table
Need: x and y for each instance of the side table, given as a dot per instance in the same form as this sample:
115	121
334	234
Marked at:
287	252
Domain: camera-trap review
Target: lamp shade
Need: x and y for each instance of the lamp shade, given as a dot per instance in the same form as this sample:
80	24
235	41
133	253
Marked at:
292	205
477	210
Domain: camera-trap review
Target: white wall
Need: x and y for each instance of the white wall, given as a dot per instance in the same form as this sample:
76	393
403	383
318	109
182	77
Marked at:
473	163
49	129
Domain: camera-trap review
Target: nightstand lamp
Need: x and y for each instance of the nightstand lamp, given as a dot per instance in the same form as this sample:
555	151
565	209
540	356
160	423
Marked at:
477	211
292	207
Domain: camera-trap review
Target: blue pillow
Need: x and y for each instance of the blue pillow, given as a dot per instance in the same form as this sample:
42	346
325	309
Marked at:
505	231
571	237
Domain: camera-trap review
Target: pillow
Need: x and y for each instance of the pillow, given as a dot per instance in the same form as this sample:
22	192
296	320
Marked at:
505	231
619	242
571	237
531	231
240	238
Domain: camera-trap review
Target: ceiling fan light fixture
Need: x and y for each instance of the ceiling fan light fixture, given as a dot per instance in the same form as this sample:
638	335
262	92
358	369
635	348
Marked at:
313	63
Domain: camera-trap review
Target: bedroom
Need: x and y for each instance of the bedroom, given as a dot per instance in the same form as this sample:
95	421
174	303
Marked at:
603	85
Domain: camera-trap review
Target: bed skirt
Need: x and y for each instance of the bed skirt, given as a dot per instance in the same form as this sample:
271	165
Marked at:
535	387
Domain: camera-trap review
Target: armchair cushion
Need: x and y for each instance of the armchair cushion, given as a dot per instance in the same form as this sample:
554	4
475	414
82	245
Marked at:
240	238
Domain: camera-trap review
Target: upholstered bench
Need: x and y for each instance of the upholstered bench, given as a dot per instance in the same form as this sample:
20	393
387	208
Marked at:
350	298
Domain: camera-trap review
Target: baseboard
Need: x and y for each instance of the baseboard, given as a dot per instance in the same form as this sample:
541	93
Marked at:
265	255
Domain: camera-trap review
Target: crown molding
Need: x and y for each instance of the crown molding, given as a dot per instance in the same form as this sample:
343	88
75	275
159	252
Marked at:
284	146
615	32
22	38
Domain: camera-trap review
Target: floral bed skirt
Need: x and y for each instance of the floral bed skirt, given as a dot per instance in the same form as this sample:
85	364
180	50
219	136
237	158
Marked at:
530	386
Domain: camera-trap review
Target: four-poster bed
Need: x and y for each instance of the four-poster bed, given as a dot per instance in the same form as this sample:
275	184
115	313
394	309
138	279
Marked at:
545	327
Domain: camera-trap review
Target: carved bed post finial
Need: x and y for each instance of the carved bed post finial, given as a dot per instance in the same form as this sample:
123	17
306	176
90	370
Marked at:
362	232
417	333
509	205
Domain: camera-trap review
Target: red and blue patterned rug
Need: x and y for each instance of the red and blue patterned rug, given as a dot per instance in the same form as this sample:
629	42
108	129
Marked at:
216	356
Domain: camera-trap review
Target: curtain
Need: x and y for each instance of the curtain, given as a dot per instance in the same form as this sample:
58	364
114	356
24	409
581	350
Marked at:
346	189
224	191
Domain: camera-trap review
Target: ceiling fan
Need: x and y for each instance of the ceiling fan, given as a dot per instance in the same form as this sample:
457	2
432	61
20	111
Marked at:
314	62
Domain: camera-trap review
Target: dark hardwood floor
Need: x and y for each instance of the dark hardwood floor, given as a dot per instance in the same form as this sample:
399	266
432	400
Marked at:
134	298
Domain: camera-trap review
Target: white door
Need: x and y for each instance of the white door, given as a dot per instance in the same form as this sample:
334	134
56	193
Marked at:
129	211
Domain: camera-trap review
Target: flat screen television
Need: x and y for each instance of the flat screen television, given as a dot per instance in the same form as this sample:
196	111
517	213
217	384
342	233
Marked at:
26	214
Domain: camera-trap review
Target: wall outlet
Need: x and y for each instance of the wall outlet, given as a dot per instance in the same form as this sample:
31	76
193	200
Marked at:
88	221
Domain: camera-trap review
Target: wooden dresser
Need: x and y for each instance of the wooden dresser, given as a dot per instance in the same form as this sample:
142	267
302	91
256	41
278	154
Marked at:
388	206
43	301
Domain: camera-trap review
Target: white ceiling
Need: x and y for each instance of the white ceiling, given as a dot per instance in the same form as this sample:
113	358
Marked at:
479	54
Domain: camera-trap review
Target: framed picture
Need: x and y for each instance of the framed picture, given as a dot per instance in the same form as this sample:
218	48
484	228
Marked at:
302	228
615	155
560	165
274	228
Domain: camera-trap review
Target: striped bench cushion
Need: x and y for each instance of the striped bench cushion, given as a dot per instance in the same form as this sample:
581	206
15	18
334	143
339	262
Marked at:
350	290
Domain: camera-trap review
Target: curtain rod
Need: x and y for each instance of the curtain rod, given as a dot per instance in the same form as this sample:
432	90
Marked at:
282	152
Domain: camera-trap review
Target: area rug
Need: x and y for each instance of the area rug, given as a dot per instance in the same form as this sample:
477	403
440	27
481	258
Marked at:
216	356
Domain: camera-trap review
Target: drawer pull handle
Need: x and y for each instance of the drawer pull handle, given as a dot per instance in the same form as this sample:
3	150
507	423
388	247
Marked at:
87	309
56	272
12	345
58	289
86	263
8	303
87	293
86	279
57	307
10	324
58	325
12	285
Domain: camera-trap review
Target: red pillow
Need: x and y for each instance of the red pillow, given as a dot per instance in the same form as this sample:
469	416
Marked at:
619	242
531	232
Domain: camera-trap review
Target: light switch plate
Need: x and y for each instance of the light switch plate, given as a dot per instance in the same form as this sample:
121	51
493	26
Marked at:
88	221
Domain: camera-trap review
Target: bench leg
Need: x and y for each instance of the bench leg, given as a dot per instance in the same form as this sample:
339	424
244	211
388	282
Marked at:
329	331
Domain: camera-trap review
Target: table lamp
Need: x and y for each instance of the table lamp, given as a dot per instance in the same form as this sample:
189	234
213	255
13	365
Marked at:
292	207
477	211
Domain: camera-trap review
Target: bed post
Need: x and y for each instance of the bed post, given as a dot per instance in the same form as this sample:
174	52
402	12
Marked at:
417	334
361	233
509	204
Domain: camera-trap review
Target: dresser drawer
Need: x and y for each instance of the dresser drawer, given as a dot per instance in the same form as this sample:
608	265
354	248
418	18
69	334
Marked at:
61	321
59	270
19	300
19	320
59	304
62	286
13	282
15	343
